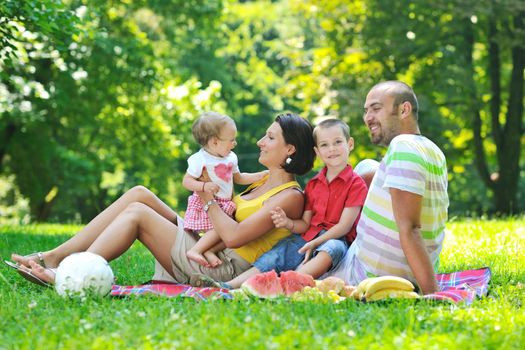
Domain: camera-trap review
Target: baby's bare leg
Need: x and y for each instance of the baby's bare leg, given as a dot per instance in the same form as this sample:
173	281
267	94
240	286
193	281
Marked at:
211	254
197	252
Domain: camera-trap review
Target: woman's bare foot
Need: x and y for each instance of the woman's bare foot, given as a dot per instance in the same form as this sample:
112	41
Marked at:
212	259
45	274
42	259
198	258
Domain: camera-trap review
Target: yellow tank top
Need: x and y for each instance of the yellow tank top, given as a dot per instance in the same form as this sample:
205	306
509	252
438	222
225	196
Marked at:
253	250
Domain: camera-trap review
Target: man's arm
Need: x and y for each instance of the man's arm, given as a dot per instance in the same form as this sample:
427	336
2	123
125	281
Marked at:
407	213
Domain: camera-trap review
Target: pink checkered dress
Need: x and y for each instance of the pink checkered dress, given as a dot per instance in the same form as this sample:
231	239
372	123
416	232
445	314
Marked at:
197	220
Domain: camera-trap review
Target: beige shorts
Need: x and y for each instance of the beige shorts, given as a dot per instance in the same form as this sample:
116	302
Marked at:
182	268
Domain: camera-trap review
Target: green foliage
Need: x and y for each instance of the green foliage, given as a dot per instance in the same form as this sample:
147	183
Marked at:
103	108
50	18
444	51
98	96
36	318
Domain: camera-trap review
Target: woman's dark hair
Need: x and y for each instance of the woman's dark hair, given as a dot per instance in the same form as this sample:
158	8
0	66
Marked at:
297	131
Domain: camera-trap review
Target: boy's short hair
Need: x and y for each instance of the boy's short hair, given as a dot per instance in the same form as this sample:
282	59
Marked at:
328	123
208	125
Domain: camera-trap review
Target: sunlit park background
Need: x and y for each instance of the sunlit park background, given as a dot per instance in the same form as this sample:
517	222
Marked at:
98	96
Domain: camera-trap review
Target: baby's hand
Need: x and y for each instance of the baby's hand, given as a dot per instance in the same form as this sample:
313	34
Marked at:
261	174
211	187
279	218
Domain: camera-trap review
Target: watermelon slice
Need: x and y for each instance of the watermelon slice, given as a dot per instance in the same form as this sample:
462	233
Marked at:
293	281
263	285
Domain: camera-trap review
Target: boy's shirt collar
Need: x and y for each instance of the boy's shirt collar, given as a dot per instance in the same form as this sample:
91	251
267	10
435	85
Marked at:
346	174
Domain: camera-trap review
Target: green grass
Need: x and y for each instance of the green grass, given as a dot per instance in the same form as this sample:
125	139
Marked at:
35	318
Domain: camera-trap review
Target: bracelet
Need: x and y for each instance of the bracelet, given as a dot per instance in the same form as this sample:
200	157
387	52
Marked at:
208	204
203	185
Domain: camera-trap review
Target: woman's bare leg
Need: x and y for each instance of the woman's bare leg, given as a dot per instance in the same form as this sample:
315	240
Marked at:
39	271
137	221
85	238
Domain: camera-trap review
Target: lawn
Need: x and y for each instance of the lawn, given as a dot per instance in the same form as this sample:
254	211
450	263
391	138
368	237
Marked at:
32	317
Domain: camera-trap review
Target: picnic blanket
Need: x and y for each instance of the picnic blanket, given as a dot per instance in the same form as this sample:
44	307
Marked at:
169	289
460	286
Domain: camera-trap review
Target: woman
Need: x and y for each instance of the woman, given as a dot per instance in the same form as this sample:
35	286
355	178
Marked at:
286	150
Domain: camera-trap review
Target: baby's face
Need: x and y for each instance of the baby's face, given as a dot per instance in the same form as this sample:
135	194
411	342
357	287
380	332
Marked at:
222	145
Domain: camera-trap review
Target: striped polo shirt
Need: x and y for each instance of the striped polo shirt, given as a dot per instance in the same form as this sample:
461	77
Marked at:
415	164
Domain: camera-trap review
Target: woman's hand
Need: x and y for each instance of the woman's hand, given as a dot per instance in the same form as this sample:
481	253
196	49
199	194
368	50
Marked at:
210	187
205	195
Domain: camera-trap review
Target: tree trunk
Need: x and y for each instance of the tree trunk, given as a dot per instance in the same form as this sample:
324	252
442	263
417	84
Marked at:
480	160
9	131
509	147
507	136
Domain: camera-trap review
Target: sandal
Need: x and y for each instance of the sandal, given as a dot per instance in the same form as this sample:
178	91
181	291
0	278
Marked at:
203	281
28	275
40	260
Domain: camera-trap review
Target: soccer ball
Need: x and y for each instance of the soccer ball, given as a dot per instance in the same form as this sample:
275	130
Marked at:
83	273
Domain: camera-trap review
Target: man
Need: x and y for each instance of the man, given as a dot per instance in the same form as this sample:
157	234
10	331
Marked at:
402	224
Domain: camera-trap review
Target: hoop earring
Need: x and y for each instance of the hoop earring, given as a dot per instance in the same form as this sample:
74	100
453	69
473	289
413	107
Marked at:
288	160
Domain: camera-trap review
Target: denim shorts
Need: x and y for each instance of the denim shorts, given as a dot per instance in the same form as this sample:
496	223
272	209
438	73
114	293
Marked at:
336	248
284	256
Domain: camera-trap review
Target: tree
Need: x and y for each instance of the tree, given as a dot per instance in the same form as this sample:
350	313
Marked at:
446	48
98	116
503	31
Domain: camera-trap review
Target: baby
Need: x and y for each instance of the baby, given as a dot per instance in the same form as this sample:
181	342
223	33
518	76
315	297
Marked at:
216	134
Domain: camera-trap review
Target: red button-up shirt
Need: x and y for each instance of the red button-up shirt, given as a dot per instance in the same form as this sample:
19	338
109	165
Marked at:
327	200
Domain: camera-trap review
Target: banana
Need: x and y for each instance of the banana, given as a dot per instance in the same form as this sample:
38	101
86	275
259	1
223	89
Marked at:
362	286
392	293
355	295
387	282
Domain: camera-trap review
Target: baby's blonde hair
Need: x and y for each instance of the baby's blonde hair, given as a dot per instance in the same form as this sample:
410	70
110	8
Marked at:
208	125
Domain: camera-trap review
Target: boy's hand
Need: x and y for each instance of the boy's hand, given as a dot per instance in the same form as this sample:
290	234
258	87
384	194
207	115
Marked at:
308	250
279	218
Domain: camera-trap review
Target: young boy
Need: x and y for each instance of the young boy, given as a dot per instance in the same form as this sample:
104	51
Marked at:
334	198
